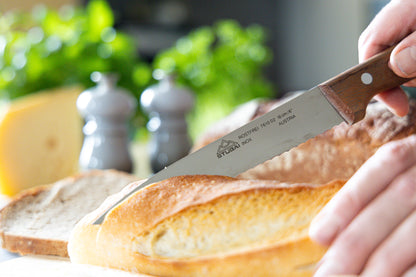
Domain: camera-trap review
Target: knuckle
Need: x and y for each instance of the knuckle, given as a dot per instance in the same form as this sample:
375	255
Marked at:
405	185
349	251
350	202
399	151
383	261
404	188
353	242
344	209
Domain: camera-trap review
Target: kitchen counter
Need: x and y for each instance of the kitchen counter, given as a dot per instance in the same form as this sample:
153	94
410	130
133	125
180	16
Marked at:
57	266
6	255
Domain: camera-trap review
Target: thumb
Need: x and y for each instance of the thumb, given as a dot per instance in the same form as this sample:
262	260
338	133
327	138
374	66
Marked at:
403	59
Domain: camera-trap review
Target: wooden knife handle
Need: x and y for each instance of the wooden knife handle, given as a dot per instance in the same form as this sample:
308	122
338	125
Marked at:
351	91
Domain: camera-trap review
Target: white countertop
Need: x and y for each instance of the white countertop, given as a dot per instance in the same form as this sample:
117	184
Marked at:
6	255
48	266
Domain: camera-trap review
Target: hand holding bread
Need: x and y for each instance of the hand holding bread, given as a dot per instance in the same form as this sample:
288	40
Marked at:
370	223
369	226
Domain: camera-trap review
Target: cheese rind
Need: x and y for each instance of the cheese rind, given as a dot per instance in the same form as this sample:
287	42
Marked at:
40	139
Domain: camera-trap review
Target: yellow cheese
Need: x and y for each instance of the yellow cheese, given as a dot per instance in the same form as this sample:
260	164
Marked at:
40	139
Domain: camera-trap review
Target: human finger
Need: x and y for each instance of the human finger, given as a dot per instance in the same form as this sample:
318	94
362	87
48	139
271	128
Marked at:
372	178
397	255
403	57
411	272
381	33
396	101
370	228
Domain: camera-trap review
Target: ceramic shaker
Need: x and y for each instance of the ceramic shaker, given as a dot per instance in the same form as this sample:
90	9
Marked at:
106	110
167	106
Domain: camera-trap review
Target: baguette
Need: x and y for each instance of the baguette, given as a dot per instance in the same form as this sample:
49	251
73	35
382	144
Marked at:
206	226
39	220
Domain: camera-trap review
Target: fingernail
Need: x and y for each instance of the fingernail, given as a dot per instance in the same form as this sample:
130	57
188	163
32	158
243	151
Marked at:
405	60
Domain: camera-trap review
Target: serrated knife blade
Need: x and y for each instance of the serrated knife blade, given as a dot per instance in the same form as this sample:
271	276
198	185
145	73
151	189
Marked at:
342	98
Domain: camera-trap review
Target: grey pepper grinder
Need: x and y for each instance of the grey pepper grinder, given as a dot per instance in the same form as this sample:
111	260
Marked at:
106	110
167	106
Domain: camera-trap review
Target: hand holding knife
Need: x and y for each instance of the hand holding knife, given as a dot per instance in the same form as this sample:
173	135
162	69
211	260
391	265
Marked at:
342	98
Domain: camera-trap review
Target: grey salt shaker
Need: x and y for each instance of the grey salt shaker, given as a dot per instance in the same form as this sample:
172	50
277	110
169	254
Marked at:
167	106
106	110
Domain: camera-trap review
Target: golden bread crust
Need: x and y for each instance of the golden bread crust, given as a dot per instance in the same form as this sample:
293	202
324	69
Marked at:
128	238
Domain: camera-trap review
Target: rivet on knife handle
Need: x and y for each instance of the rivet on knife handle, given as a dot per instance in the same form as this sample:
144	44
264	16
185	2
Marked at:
351	91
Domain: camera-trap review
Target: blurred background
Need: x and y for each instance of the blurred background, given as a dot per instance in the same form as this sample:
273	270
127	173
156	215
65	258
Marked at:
310	40
227	52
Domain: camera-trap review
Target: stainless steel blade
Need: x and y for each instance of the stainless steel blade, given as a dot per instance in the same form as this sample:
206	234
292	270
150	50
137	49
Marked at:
286	126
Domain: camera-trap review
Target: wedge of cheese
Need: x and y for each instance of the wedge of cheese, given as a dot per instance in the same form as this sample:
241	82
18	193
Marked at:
40	139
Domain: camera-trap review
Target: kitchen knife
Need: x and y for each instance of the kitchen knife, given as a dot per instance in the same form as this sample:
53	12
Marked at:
342	98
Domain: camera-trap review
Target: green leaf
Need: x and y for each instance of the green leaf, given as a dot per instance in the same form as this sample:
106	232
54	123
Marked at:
223	65
99	17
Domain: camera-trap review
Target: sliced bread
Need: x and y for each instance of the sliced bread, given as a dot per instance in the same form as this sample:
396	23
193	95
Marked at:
206	226
39	220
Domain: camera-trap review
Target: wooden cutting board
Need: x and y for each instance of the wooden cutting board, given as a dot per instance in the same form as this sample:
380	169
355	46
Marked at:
55	266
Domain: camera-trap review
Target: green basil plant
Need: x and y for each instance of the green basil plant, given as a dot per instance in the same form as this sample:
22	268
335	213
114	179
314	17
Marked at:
222	64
